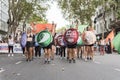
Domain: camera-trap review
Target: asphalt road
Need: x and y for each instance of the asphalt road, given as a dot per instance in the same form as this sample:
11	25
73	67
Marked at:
105	67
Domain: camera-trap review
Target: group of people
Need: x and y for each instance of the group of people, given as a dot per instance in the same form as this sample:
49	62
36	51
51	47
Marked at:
104	46
71	51
32	46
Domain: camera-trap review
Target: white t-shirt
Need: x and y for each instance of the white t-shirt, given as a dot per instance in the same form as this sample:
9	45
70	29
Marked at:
10	42
102	42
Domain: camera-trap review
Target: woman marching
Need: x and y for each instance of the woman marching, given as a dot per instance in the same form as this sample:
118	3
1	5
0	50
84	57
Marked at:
53	49
49	50
102	46
71	37
89	39
61	43
37	47
29	45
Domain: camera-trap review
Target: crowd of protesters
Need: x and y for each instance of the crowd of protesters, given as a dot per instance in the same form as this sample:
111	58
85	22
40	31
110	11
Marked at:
71	52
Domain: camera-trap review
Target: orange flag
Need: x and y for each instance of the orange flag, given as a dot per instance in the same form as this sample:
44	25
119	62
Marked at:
110	36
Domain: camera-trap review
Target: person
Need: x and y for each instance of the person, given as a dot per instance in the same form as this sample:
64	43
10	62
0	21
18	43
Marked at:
102	46
37	49
79	48
62	45
88	48
62	51
63	54
71	49
53	49
57	52
23	47
29	45
71	52
109	50
48	51
10	45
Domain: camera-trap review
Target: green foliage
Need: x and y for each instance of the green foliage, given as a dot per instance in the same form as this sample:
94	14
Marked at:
24	10
82	10
61	30
36	19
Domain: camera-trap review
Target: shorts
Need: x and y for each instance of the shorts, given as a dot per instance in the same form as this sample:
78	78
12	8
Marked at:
29	44
89	45
72	46
48	47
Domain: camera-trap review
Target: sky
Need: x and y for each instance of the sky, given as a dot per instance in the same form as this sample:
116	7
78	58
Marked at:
54	14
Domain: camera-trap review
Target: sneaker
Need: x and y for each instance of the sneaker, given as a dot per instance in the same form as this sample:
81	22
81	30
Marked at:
8	55
88	58
27	60
12	55
67	58
45	62
48	62
69	61
93	59
74	61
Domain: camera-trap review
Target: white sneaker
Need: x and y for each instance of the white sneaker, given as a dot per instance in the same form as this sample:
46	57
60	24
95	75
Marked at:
8	55
12	55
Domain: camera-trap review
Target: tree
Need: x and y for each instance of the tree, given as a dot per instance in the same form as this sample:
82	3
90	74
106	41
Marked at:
61	30
83	10
80	10
36	19
22	10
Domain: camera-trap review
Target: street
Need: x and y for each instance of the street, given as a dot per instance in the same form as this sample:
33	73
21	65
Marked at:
105	67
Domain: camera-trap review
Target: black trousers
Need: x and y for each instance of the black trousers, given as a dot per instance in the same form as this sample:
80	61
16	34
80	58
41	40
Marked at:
109	51
10	48
57	51
23	49
62	51
37	51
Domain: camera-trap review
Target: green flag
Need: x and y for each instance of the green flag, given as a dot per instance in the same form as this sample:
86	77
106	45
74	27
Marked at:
116	42
80	42
82	27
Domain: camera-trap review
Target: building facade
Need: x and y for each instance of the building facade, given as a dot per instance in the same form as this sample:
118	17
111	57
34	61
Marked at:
102	21
3	18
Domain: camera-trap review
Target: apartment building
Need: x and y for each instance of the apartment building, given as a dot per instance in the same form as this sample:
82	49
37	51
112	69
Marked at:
101	20
3	18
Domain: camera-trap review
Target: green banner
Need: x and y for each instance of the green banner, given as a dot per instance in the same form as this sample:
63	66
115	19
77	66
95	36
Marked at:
81	28
116	42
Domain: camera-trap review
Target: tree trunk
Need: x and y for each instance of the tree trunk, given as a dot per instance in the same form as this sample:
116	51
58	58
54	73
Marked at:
24	25
104	15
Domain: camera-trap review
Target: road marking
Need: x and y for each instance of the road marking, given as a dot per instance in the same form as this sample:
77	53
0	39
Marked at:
18	62
63	69
117	69
53	64
97	62
1	70
18	74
